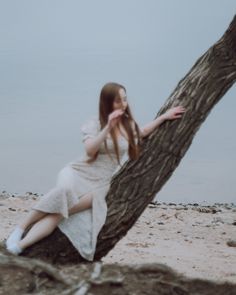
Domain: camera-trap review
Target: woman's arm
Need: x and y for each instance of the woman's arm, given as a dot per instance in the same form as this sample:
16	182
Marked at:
171	114
93	144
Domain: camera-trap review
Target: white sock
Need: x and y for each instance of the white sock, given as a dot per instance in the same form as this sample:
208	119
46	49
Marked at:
15	236
14	249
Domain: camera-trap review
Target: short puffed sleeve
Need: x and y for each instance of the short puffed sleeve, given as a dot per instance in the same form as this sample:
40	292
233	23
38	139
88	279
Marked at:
90	129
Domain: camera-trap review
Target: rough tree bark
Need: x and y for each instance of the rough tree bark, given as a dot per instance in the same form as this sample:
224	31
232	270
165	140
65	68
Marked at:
139	181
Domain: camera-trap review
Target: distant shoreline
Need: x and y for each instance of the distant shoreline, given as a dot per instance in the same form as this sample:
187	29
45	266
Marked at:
5	194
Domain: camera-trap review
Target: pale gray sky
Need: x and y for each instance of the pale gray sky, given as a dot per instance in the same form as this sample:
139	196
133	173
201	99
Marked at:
56	55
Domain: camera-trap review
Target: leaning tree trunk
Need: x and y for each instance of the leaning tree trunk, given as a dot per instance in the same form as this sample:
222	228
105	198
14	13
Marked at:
138	182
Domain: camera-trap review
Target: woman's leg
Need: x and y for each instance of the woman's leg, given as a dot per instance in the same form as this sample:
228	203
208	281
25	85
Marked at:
84	203
41	229
44	224
32	217
18	232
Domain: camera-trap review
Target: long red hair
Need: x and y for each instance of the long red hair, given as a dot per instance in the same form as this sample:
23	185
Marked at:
109	93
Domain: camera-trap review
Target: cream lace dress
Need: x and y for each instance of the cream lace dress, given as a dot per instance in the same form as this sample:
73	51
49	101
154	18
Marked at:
77	179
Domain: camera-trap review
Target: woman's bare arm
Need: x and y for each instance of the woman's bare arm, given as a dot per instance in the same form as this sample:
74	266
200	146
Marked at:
171	114
93	144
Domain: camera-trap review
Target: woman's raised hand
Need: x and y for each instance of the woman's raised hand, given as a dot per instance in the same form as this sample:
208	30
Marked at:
174	113
114	118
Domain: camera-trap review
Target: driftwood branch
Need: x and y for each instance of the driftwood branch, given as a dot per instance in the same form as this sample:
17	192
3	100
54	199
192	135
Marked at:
20	275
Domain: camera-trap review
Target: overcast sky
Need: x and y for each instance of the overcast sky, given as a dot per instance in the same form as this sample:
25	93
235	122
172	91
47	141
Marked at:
56	55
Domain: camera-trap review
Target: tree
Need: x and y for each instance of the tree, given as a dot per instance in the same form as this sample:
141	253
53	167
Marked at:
139	181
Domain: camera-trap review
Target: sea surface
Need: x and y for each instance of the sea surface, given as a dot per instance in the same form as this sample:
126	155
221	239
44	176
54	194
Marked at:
45	98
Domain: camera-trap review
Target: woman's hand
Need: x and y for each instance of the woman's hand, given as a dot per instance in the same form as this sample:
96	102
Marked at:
114	118
92	145
171	114
174	113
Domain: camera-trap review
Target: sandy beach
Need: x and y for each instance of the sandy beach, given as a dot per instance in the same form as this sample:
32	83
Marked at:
193	239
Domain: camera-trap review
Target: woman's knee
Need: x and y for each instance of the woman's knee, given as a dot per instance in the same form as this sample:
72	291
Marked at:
84	203
55	217
87	199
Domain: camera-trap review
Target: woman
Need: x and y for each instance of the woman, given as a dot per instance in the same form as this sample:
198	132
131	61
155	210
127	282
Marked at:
83	184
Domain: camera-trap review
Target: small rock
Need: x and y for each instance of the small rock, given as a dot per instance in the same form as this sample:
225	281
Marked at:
152	206
202	210
218	204
231	243
207	209
158	204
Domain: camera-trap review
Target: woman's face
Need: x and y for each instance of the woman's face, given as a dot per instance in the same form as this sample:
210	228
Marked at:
120	102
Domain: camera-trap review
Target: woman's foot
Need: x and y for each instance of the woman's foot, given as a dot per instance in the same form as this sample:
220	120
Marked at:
15	236
14	249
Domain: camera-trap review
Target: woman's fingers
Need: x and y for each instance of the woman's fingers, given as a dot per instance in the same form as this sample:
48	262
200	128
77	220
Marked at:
180	113
178	116
180	109
114	117
175	112
117	113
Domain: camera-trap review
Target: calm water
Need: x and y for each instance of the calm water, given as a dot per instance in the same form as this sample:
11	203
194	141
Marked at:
44	103
54	59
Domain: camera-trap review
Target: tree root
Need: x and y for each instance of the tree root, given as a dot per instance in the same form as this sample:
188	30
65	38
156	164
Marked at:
34	276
